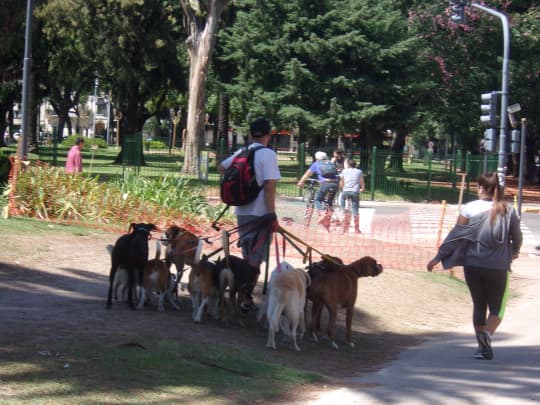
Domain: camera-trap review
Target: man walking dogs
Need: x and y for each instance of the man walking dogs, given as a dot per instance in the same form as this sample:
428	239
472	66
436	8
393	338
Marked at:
256	220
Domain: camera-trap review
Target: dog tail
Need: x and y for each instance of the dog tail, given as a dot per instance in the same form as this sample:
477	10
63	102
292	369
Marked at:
308	278
198	252
225	244
109	248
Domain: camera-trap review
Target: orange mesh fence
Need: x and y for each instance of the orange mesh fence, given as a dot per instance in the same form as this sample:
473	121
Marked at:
403	238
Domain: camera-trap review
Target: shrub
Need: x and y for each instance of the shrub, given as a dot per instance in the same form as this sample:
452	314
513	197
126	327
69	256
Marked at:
155	144
49	193
88	142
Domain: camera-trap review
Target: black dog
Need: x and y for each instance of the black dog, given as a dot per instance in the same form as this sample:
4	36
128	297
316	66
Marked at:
245	279
130	252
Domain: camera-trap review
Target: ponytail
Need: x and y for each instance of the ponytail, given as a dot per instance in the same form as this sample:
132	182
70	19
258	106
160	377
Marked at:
492	188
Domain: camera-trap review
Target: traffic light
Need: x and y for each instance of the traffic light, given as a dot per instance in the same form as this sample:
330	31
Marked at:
516	141
488	144
457	11
489	109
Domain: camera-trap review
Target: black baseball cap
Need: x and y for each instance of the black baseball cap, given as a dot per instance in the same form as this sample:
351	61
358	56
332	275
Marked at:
259	128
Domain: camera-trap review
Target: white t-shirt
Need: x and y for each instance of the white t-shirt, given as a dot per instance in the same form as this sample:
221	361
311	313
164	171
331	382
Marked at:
476	207
351	179
266	168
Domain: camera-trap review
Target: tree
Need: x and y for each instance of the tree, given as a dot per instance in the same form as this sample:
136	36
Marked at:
12	13
202	21
135	44
327	67
70	69
465	61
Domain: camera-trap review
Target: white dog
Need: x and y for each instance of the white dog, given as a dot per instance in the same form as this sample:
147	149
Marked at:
286	296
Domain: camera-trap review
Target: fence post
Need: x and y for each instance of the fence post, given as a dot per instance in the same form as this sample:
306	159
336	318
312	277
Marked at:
221	150
373	170
301	163
55	151
430	158
453	173
468	171
139	151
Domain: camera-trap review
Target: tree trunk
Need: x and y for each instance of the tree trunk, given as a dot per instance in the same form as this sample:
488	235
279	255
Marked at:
200	45
396	152
131	150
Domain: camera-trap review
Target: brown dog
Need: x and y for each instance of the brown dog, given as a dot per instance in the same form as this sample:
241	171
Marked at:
204	288
336	288
182	248
157	278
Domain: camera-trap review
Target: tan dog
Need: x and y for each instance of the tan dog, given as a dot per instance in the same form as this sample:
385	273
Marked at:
287	296
181	249
204	286
157	278
338	287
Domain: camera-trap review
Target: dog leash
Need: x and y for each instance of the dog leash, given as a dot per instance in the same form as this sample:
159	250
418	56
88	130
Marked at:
278	263
309	248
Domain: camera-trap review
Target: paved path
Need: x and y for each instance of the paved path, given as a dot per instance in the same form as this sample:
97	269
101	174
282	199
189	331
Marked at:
442	371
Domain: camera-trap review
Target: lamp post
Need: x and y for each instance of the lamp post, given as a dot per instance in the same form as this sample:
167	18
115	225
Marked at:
108	106
176	117
504	89
117	118
96	83
22	149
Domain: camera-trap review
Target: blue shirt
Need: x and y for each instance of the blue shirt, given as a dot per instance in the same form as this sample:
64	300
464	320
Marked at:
314	168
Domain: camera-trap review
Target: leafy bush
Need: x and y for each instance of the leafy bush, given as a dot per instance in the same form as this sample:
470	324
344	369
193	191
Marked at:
169	193
155	144
49	193
88	142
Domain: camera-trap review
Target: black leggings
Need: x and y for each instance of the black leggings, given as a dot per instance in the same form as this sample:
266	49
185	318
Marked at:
488	289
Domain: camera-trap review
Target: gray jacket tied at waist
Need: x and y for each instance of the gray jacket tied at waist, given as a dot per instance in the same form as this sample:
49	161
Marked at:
481	243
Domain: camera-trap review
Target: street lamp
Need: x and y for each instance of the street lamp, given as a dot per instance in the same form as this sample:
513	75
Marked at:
175	119
457	9
504	89
117	118
27	66
96	82
107	124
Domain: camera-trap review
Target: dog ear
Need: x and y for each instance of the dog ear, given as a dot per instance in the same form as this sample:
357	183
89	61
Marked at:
132	227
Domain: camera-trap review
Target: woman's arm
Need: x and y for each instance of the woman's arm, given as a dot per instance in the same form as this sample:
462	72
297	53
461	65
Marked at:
461	220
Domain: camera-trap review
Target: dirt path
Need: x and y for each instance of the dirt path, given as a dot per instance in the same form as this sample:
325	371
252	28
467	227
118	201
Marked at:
53	287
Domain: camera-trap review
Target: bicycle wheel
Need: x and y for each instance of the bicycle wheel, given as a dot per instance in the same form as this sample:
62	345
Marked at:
308	212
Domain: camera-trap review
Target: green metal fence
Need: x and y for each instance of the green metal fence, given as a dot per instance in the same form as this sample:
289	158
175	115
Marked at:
388	175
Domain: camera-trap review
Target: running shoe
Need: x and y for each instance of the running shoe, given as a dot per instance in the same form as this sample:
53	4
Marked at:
484	339
478	355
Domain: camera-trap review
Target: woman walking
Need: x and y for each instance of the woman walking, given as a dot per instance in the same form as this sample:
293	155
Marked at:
485	240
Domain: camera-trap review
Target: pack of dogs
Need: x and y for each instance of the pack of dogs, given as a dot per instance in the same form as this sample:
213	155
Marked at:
221	288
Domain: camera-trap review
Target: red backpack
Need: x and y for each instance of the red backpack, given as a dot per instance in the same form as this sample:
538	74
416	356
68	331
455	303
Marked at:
239	185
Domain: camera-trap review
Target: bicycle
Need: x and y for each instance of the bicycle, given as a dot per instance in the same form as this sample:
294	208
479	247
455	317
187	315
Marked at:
309	193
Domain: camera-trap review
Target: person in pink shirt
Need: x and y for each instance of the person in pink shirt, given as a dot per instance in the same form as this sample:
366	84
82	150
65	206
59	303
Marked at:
74	157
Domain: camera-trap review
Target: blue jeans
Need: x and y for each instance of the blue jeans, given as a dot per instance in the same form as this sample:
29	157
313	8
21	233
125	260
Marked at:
355	200
324	189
